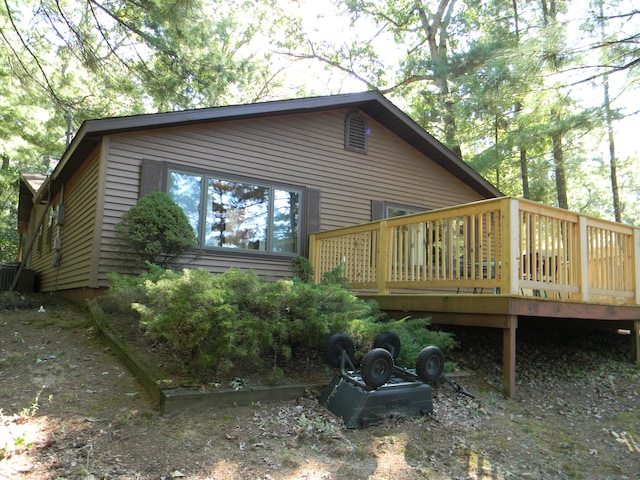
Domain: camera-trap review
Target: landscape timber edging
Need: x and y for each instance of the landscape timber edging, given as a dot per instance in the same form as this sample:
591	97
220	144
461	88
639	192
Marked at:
175	400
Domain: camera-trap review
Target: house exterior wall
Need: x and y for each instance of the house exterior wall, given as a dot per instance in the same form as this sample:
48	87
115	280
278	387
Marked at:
305	150
79	197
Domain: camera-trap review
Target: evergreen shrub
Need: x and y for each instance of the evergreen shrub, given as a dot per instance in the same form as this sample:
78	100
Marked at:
302	269
156	230
238	321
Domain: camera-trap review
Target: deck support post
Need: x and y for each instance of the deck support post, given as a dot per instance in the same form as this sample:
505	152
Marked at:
635	342
382	269
509	356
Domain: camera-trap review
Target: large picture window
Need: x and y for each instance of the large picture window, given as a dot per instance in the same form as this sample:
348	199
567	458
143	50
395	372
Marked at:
239	214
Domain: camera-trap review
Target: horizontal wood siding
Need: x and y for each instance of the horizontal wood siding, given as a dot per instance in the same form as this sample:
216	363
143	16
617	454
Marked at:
304	150
80	197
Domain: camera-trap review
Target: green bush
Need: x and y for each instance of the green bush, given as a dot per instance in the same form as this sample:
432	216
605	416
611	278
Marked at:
414	334
335	277
302	269
156	230
238	321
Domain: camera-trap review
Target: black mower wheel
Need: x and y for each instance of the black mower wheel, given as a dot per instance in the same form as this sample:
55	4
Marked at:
429	364
336	344
390	341
376	367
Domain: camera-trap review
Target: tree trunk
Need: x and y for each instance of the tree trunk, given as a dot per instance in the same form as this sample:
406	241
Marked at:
435	28
613	161
5	166
613	167
496	134
524	174
558	161
524	167
549	16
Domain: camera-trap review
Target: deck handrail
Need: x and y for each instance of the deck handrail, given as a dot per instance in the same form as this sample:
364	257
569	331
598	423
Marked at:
498	246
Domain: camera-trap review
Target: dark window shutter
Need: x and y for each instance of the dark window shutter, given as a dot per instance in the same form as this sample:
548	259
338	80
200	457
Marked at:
312	211
151	176
377	210
355	133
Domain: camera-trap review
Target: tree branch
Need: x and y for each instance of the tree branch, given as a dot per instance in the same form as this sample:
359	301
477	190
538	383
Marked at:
111	48
47	86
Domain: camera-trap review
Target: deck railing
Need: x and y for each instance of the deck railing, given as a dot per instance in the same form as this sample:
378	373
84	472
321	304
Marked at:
498	246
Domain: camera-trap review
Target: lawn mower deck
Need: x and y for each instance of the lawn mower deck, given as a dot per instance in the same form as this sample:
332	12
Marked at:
359	406
379	389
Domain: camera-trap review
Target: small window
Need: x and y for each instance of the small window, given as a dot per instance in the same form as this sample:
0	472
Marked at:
355	133
382	209
399	210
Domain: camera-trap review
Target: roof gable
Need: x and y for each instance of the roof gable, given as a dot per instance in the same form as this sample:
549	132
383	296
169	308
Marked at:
30	184
372	103
33	181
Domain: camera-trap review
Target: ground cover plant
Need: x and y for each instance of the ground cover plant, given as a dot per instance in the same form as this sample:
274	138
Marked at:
237	322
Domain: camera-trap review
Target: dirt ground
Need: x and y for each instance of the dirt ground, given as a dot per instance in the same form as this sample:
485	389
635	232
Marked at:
70	410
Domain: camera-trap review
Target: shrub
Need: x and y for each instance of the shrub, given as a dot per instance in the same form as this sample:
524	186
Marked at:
302	269
335	277
125	290
174	305
238	321
414	334
156	230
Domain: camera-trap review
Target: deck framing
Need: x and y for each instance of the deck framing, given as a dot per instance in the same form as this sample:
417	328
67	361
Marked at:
505	312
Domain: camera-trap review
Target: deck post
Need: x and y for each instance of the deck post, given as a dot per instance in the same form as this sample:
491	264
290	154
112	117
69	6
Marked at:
510	237
509	356
583	256
636	265
635	342
383	258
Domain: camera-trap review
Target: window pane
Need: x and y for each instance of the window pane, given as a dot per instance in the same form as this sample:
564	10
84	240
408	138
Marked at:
237	215
286	221
185	190
396	212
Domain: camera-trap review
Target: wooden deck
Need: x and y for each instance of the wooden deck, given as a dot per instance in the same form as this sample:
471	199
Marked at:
492	264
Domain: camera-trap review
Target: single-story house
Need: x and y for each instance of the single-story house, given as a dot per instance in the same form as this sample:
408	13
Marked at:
255	181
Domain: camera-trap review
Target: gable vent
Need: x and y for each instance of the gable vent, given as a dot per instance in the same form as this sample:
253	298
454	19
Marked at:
355	133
